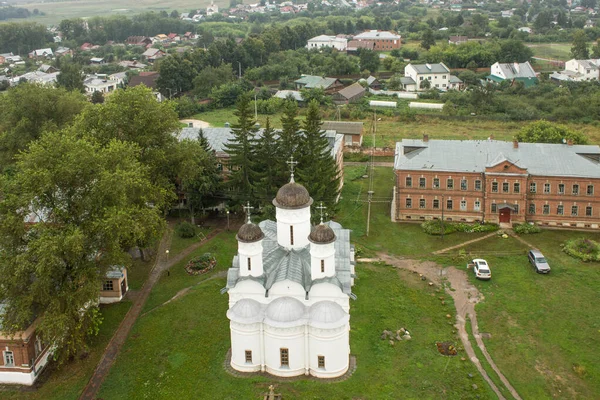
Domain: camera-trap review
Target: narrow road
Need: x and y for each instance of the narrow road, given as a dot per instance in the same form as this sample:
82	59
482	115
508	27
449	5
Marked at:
116	343
465	297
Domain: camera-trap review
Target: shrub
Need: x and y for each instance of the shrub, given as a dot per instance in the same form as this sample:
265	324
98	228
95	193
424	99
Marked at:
526	228
582	248
185	230
434	227
201	264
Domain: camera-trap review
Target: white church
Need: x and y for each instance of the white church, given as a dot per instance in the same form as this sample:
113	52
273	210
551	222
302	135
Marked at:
289	292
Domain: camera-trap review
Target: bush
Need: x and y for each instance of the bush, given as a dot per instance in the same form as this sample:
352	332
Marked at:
525	228
434	227
201	264
185	230
583	249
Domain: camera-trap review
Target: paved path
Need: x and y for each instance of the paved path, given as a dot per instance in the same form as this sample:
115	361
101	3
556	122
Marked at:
116	343
464	243
465	297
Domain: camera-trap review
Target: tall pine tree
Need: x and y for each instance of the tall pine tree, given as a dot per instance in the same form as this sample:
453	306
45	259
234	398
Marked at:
288	140
267	150
317	169
241	152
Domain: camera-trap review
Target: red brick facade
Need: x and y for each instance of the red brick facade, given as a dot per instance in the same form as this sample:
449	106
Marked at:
503	193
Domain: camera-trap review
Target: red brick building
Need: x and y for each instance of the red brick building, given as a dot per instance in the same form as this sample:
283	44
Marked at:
383	40
495	181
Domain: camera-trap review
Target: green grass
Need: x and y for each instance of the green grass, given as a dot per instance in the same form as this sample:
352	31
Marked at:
138	272
223	246
178	244
68	381
178	350
218	118
553	51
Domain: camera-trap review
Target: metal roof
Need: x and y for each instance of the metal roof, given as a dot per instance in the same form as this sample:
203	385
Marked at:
218	137
284	94
438	68
377	35
541	159
280	263
345	127
313	81
515	70
350	91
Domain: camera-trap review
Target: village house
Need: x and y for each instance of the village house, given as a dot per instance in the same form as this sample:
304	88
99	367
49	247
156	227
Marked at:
41	54
456	40
495	181
99	83
373	83
138	41
63	51
349	94
577	71
313	81
24	355
132	64
513	72
384	40
36	77
338	43
48	69
287	94
153	54
438	76
352	131
114	286
97	61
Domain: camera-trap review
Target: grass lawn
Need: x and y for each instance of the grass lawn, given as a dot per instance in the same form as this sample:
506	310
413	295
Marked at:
68	381
178	243
138	272
223	246
177	351
554	51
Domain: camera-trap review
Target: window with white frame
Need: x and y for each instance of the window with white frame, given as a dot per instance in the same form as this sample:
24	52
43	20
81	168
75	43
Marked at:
463	184
463	205
9	359
436	204
408	181
532	208
532	187
448	204
408	202
546	209
477	205
588	211
574	210
421	203
494	187
107	285
561	188
516	187
546	188
505	187
494	208
477	184
450	183
422	183
590	190
436	183
575	189
560	209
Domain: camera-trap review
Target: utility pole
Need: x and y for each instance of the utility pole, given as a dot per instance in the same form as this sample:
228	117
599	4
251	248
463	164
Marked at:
255	109
442	217
370	192
239	70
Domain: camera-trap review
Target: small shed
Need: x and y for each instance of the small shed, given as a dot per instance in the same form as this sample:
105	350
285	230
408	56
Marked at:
350	94
352	131
114	285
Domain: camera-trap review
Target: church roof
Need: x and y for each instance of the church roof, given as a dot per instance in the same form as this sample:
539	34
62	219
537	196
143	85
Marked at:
285	310
292	195
280	263
249	233
327	314
246	311
322	234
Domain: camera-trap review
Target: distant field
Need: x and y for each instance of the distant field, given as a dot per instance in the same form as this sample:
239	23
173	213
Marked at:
553	51
57	11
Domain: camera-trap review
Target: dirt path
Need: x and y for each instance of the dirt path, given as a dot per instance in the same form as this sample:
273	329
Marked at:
365	163
464	243
465	297
116	343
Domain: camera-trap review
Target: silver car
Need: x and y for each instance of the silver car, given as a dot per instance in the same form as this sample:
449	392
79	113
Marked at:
537	259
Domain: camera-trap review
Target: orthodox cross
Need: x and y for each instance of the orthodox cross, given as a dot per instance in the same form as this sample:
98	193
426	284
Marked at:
247	208
292	165
321	207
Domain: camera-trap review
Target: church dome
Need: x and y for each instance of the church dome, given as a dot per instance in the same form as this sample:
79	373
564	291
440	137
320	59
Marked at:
322	234
245	310
285	310
292	195
249	233
327	314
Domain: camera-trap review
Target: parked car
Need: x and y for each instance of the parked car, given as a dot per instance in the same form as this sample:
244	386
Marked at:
481	269
537	259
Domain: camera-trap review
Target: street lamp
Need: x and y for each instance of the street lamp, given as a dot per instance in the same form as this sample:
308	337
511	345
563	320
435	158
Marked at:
227	212
443	201
167	254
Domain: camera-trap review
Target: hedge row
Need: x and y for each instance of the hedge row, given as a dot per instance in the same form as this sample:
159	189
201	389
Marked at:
434	227
583	249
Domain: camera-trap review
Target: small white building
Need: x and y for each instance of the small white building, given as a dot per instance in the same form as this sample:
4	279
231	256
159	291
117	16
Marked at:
438	76
99	83
338	43
289	293
514	72
581	70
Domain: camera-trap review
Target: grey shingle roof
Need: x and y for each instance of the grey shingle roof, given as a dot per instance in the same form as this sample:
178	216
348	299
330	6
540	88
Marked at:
540	159
281	264
313	81
517	70
377	35
350	91
345	127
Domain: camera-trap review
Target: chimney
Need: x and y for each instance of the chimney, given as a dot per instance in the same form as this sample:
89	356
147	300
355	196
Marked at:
425	137
569	142
515	144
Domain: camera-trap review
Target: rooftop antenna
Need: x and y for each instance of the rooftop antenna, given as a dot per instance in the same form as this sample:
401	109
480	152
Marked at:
321	207
292	165
248	208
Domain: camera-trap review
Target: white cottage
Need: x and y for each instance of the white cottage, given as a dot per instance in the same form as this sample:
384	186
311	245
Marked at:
289	293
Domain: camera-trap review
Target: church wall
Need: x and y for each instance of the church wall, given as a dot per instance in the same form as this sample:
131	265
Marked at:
245	337
333	345
325	252
300	220
328	291
286	288
290	338
247	289
254	252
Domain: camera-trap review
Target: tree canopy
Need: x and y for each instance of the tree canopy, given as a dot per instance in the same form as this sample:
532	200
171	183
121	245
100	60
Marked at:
549	132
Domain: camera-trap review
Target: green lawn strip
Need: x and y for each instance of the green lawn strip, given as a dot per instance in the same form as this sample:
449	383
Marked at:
67	381
384	235
545	327
486	366
553	51
178	350
178	244
223	246
138	272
